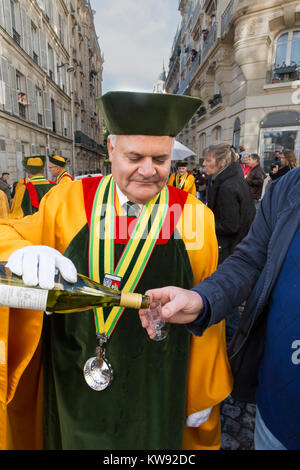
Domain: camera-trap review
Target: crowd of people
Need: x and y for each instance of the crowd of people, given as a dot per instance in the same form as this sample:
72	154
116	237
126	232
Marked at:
23	197
202	246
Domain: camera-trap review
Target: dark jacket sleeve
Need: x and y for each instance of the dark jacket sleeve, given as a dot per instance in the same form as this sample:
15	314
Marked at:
234	279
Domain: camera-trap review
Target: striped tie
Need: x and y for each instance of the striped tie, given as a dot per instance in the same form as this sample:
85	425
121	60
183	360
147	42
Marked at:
131	209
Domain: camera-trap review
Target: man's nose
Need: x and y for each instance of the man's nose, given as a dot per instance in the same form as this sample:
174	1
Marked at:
147	168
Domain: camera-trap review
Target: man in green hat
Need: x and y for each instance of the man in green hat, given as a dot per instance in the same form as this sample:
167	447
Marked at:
182	179
28	196
131	229
57	169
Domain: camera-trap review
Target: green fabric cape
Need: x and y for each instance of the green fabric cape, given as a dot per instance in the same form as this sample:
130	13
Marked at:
144	407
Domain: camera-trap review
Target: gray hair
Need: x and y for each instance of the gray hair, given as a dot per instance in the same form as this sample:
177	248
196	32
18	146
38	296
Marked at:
113	139
221	151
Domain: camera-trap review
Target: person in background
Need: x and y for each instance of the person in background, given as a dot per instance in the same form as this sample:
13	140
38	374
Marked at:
244	156
156	384
182	179
228	197
264	354
255	178
4	186
202	185
57	169
29	194
288	161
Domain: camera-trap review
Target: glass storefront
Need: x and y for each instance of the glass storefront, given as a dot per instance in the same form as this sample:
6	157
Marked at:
279	129
272	139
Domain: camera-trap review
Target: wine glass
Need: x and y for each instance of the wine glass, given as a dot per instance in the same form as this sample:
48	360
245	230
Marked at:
153	314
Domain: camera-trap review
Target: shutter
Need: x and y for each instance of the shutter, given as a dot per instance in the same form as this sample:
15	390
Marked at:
31	99
24	36
29	36
14	93
18	18
6	85
54	66
47	110
3	157
44	51
2	19
7	16
19	158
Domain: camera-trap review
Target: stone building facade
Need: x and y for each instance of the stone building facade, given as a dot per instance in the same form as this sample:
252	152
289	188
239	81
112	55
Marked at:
242	57
50	74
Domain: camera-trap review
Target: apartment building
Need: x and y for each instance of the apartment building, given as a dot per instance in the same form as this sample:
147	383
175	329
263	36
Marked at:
50	74
242	57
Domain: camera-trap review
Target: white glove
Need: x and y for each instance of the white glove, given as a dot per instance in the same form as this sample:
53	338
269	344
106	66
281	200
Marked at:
37	265
196	419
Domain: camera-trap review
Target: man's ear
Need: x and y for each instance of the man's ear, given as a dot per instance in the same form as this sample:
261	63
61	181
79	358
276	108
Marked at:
110	149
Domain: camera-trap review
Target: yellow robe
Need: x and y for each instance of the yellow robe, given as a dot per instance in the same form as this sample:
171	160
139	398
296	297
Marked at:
60	217
4	205
189	185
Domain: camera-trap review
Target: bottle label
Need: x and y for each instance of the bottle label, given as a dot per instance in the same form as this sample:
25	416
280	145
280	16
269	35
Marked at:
23	297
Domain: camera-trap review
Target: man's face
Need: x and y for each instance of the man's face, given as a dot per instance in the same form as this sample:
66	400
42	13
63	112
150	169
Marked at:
140	165
182	170
54	170
5	177
252	162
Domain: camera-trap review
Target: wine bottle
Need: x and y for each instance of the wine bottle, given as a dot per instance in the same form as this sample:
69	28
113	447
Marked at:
64	297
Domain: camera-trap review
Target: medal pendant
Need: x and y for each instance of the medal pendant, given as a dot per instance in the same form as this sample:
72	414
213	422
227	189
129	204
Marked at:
97	371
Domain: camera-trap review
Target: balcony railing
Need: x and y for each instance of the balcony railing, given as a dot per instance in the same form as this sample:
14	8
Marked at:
215	100
210	40
201	111
285	73
196	13
16	36
226	18
81	138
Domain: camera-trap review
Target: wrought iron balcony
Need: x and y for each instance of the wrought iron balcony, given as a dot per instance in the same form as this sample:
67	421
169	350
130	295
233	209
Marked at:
16	36
284	73
210	40
226	18
215	100
83	139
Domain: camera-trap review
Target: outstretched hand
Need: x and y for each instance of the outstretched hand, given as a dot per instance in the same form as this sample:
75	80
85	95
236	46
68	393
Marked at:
178	306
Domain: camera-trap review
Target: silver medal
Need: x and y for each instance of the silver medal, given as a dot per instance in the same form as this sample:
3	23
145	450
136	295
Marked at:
97	371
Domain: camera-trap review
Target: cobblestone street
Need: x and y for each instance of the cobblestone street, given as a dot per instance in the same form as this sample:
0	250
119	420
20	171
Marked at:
238	421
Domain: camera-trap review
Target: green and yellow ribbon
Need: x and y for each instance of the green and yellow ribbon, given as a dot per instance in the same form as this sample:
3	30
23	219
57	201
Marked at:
181	182
136	253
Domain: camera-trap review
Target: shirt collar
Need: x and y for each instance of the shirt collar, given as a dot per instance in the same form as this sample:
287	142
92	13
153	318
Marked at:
123	199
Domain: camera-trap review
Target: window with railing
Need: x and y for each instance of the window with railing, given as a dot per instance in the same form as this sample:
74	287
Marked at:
287	58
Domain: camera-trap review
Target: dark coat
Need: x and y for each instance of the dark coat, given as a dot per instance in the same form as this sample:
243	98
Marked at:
230	200
251	273
255	180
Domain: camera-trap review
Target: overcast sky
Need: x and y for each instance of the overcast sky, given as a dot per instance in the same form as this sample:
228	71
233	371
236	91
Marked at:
136	37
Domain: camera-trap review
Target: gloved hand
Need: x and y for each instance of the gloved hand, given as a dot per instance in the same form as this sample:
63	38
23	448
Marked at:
37	265
196	419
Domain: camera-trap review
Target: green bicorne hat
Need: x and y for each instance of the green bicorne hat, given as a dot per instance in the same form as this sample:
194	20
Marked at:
58	160
34	164
134	113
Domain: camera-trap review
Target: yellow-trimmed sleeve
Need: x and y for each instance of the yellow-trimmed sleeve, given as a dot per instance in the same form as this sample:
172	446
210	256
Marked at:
209	378
171	179
60	217
190	185
16	211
